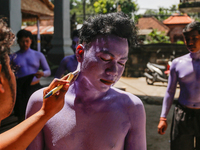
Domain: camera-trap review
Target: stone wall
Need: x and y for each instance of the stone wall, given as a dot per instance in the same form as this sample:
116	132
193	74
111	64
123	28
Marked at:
156	53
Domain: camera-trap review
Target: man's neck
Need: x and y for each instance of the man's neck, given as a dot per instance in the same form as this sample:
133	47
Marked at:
24	50
86	93
196	55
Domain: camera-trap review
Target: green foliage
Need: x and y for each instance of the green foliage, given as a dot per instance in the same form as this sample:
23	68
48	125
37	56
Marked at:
157	37
76	7
107	6
179	42
128	7
104	6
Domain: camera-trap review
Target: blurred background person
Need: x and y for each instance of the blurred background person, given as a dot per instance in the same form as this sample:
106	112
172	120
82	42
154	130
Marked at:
69	63
30	66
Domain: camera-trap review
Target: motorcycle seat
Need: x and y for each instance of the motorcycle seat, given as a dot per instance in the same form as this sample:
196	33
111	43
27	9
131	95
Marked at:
159	66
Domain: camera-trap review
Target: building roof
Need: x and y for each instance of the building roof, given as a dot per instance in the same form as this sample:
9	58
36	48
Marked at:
43	29
33	9
178	19
152	23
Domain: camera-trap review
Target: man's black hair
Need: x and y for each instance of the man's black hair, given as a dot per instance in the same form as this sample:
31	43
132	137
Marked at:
191	27
118	24
75	33
24	33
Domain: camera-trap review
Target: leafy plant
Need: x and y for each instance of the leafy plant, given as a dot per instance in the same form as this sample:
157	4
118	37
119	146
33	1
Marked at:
157	37
107	6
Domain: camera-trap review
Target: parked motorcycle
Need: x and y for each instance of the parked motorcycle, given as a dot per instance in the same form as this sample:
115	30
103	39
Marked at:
156	73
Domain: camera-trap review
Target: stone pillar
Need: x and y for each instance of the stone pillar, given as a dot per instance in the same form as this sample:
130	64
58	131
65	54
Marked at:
61	39
11	9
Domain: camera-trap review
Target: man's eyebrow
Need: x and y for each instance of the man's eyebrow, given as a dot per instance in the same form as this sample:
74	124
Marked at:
107	52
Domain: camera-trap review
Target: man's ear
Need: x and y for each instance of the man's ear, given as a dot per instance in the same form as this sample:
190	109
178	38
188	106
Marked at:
1	80
80	52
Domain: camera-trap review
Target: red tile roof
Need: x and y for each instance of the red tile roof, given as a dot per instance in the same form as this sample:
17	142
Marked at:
151	23
178	19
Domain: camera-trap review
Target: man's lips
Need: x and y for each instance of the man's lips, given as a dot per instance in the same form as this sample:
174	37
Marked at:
191	47
107	82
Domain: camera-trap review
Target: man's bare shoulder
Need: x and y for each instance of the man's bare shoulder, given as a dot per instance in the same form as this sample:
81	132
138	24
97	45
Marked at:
126	98
35	102
68	58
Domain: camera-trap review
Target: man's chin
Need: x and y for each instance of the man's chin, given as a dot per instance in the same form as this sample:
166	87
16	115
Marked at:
192	50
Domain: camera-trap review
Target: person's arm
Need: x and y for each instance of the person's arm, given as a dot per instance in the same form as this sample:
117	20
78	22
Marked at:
21	136
136	137
168	98
45	67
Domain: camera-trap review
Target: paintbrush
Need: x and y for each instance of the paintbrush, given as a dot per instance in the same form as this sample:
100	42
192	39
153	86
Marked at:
72	76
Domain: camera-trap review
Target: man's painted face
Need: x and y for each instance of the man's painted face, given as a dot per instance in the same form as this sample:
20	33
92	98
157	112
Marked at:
192	41
24	43
104	61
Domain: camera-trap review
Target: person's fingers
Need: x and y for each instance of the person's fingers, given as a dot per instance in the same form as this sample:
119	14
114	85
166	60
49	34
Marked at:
161	131
162	126
65	77
56	82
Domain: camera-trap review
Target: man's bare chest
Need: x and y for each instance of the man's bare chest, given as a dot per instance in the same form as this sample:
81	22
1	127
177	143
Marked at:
94	129
189	72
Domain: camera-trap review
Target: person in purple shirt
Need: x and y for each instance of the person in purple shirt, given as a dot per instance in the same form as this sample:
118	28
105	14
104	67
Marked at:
97	116
69	63
31	66
185	70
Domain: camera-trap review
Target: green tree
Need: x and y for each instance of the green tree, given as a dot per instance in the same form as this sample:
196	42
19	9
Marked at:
104	6
157	37
76	8
107	6
128	7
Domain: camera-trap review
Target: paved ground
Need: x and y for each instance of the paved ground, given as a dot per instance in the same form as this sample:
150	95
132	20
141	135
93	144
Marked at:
152	96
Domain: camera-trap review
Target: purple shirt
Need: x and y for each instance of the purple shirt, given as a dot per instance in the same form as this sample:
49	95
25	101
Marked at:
184	70
29	62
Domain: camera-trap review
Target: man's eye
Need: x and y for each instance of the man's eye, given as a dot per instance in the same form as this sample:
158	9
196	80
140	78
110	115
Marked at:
104	59
122	64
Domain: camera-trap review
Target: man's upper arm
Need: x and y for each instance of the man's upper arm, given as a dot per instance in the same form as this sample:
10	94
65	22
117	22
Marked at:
136	137
34	104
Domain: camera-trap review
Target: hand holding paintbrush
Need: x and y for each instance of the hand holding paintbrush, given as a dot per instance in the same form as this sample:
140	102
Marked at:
71	76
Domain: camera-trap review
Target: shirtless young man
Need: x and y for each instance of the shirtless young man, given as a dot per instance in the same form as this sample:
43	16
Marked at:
97	116
19	137
186	71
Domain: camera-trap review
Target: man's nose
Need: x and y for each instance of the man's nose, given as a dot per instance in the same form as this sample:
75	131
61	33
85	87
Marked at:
112	69
190	41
